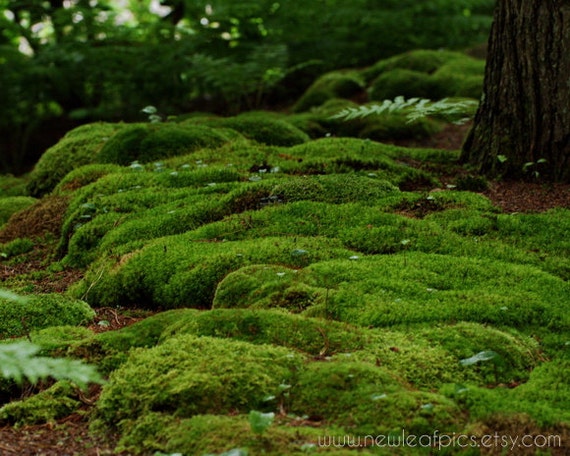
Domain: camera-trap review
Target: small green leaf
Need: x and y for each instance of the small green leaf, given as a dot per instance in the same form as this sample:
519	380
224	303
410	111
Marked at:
259	421
502	158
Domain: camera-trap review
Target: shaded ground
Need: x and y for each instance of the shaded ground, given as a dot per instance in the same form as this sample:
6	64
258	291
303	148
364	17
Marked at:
70	436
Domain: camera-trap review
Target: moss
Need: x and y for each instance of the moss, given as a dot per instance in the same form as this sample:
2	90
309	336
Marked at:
413	287
82	176
262	128
41	311
337	84
544	397
368	400
421	60
49	405
406	83
345	155
109	349
59	338
188	375
307	335
148	142
215	434
16	247
427	75
12	204
78	147
12	185
173	272
41	218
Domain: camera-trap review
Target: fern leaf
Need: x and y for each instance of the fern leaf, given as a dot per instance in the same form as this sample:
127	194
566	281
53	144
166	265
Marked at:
455	111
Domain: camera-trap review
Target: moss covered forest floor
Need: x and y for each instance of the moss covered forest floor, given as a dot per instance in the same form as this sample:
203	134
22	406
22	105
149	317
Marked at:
70	435
252	284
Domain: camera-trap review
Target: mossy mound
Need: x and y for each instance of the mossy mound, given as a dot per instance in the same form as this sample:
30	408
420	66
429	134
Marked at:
12	204
368	400
263	128
336	84
19	317
78	147
56	402
188	375
422	60
149	142
413	287
84	175
43	217
177	272
306	335
12	185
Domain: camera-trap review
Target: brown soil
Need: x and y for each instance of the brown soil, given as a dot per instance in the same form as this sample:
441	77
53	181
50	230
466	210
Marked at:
70	436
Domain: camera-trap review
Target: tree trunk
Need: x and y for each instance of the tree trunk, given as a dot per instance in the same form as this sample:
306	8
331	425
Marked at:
522	127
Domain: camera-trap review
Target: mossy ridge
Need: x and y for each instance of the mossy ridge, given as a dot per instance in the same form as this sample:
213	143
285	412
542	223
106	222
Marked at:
58	401
544	397
188	375
342	155
311	336
150	142
109	349
176	271
78	147
415	287
368	400
194	209
84	175
421	60
34	312
263	128
13	186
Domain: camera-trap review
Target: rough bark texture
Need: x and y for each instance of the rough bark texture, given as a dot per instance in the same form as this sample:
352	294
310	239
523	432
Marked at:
524	114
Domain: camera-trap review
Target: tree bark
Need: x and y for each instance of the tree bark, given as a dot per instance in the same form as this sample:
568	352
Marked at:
522	127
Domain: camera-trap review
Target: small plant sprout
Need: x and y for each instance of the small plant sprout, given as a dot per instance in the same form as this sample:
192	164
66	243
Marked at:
259	421
153	116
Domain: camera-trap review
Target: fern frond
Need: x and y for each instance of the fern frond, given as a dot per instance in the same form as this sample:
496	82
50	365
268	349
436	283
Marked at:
455	111
20	360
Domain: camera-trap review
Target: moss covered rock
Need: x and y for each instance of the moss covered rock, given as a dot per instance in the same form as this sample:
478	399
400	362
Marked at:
19	317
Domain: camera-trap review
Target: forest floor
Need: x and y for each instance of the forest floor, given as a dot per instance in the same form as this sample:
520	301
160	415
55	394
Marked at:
70	436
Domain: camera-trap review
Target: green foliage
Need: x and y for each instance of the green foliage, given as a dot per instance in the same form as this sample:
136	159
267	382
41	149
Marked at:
22	315
259	421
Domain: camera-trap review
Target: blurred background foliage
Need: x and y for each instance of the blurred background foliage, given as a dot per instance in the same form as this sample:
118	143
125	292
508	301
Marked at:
68	62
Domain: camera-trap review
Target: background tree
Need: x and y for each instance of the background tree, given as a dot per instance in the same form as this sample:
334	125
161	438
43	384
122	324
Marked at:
522	127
